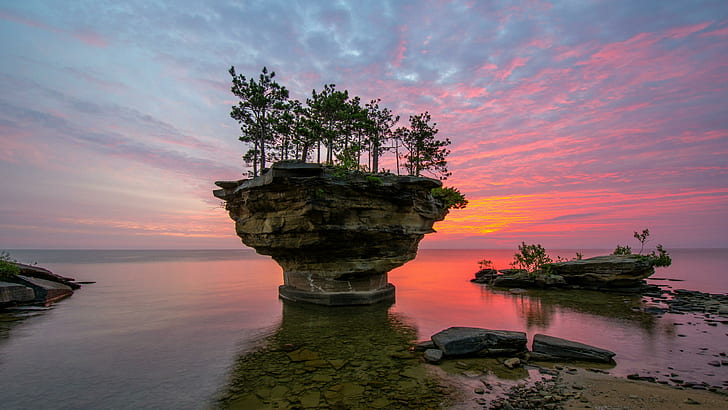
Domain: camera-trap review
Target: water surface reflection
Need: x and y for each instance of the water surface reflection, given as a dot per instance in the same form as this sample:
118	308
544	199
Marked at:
348	357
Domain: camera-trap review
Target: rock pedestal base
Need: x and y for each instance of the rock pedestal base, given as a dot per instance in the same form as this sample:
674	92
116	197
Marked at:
370	297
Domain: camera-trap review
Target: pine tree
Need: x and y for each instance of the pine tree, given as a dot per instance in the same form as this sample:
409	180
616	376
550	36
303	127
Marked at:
423	151
261	103
382	120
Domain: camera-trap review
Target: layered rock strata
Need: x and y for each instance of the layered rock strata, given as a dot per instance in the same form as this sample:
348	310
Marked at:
554	348
462	341
608	271
34	285
335	234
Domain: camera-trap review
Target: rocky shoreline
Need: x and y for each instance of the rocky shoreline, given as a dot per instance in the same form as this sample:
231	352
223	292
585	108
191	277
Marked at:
623	273
572	388
671	389
34	285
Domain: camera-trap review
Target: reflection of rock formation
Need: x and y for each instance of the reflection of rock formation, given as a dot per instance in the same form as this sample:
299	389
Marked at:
352	357
609	271
539	307
335	235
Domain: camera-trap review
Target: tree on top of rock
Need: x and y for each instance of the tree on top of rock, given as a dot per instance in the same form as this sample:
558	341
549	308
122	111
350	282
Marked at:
423	151
278	128
330	109
261	103
381	129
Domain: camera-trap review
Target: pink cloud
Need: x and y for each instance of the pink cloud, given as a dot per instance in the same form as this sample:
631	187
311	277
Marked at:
87	36
684	31
715	33
510	67
400	54
90	37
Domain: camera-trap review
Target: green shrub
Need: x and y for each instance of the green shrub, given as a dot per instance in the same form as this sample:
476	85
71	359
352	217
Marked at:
622	250
451	197
485	264
530	257
661	259
642	237
372	180
7	267
658	260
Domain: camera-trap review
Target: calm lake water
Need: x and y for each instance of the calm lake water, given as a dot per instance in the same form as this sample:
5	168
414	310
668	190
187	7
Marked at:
180	329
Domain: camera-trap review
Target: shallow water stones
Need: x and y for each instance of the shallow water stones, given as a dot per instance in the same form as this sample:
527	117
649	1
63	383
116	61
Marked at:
303	355
462	341
512	362
433	355
311	399
570	350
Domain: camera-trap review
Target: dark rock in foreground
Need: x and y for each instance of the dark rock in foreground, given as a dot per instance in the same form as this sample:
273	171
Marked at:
554	348
461	341
336	235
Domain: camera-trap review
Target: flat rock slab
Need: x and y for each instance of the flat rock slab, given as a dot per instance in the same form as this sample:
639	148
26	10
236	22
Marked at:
14	293
563	349
461	341
46	291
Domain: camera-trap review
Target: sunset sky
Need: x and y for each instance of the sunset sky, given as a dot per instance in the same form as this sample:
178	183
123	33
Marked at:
573	123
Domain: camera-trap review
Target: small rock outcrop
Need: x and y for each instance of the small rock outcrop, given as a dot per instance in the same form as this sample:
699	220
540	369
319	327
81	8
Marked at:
462	341
554	348
11	292
34	285
609	272
335	234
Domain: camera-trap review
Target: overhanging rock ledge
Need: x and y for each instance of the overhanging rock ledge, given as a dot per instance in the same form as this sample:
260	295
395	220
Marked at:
336	234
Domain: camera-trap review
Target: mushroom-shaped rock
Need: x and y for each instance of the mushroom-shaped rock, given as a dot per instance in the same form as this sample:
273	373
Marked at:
335	234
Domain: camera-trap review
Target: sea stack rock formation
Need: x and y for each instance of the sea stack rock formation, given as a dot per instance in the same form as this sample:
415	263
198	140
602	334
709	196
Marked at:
336	234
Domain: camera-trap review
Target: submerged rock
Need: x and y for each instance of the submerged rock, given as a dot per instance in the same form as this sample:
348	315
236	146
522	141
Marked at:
433	355
461	341
554	348
335	235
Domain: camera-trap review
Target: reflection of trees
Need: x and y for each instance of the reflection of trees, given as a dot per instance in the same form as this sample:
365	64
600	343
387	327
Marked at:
534	311
350	357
